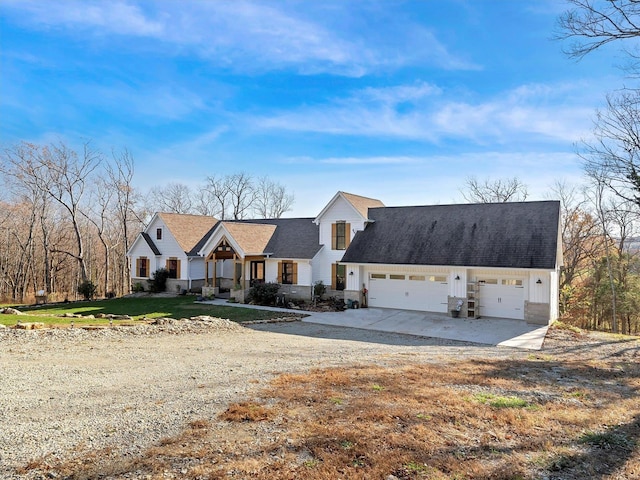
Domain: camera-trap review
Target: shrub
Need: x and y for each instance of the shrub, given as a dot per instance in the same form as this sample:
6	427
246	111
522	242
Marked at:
158	280
137	287
319	289
87	289
263	293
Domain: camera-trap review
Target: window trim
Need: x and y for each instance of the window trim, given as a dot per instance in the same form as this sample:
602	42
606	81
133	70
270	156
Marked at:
158	233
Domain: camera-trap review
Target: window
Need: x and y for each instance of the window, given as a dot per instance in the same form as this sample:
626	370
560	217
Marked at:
396	277
438	278
378	276
142	267
420	278
257	272
488	281
287	273
338	273
513	282
340	235
158	234
173	265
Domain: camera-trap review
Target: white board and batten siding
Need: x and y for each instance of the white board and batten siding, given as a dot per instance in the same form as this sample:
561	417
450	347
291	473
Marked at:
304	270
339	211
168	247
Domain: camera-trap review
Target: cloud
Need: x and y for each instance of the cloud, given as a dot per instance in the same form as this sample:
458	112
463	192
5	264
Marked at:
425	112
245	35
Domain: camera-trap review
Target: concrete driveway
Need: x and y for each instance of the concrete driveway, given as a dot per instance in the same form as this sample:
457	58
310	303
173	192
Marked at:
490	331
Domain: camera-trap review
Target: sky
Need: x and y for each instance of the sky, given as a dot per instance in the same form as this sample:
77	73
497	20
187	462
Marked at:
397	100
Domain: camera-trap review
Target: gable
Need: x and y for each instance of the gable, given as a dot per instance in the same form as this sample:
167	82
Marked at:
278	238
347	205
506	235
187	230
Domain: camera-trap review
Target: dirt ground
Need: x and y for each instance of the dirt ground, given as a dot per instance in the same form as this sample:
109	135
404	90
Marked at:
66	393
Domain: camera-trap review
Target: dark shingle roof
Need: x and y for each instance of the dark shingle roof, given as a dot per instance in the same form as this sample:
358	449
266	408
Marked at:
292	238
152	245
508	235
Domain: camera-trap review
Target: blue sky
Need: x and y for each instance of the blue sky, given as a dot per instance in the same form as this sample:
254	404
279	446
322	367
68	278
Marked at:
398	100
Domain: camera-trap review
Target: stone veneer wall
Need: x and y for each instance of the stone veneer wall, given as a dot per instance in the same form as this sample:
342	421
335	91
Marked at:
537	313
452	303
301	292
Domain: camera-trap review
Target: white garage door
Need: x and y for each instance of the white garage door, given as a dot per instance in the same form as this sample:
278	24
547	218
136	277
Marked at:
408	291
501	297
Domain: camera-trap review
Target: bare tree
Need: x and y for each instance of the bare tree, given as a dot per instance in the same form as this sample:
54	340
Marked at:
591	24
613	157
494	191
241	194
171	198
214	197
271	199
120	175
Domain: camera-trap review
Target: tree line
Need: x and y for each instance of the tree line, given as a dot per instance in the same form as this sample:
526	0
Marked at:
68	217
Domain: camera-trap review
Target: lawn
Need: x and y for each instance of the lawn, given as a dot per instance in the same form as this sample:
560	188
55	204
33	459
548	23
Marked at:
136	307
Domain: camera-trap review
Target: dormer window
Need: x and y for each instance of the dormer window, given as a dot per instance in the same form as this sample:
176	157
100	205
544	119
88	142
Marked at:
340	235
158	234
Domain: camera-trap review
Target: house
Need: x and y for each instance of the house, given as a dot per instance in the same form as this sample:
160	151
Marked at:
171	241
492	260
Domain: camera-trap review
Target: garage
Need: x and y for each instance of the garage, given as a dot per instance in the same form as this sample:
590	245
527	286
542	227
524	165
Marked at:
408	291
501	297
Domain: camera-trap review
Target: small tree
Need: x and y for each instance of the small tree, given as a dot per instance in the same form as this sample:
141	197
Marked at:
319	289
158	281
87	289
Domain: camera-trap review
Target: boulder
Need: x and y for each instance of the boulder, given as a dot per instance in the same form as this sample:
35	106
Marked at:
12	311
30	326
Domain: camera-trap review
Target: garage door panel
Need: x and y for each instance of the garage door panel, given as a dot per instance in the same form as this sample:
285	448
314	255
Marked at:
408	292
502	297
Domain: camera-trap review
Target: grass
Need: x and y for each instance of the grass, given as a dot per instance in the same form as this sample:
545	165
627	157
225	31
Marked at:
136	307
420	424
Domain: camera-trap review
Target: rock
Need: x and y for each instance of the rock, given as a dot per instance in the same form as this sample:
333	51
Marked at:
89	316
120	317
2	326
12	311
30	326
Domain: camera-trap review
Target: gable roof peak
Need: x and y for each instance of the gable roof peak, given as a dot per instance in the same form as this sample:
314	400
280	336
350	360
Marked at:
187	229
359	203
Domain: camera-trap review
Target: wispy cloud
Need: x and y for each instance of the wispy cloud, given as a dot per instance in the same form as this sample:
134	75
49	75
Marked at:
425	112
244	35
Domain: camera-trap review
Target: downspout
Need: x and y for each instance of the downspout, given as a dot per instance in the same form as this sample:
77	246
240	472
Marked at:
189	273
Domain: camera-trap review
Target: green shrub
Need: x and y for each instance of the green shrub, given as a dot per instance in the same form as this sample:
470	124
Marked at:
87	289
137	287
158	280
263	293
319	289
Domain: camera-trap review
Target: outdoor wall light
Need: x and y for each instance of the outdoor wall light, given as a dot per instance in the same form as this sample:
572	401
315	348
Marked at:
539	282
351	272
457	277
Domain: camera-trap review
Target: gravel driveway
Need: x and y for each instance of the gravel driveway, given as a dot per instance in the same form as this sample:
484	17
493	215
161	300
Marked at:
63	392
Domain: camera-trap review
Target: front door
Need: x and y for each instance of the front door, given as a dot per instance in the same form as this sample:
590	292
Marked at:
257	272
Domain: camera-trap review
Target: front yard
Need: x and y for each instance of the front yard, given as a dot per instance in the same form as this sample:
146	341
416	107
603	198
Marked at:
137	308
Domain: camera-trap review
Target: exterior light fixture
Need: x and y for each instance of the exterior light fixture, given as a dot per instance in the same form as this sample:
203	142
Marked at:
539	282
457	277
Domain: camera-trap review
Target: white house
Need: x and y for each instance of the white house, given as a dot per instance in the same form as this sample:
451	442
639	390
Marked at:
492	260
171	241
